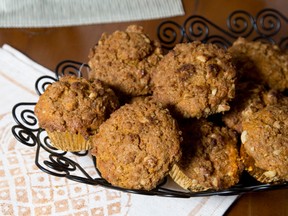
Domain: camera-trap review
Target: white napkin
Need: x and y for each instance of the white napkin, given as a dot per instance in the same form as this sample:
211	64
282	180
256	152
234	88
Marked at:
26	190
35	13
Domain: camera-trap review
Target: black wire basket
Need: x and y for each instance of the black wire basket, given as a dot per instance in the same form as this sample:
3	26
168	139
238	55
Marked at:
264	26
267	25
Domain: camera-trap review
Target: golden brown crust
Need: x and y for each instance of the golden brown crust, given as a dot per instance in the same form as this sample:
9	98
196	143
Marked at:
257	173
262	62
265	140
137	146
210	159
249	98
75	105
124	60
195	80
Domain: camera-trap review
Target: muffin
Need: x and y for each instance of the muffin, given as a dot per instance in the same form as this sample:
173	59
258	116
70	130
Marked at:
137	146
261	62
210	158
249	98
195	80
124	61
72	109
265	144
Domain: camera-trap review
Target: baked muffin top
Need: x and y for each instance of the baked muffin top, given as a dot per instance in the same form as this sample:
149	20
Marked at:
210	158
124	60
195	80
249	98
76	105
137	146
265	139
261	62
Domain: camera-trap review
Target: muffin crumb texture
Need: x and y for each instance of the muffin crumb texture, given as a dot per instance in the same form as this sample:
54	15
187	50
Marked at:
265	143
195	80
130	56
200	113
210	157
76	105
137	146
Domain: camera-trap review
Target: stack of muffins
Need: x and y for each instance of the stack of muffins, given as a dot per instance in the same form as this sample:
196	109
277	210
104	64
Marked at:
200	114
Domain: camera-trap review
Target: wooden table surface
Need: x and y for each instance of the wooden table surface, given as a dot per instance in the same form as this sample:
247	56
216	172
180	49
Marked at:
49	46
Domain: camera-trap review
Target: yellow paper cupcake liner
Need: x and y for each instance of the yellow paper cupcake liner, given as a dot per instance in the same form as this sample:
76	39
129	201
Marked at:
184	181
68	142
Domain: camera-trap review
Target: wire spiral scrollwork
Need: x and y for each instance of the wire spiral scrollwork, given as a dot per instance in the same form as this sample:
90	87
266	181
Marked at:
72	68
240	23
197	28
264	26
219	40
57	162
24	136
45	143
268	22
42	83
61	164
24	116
169	34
